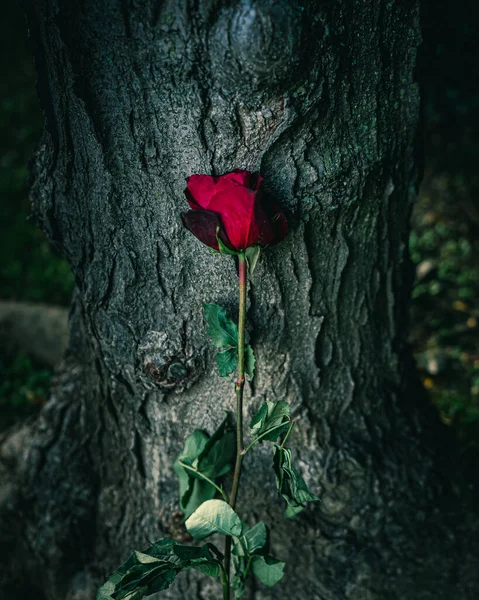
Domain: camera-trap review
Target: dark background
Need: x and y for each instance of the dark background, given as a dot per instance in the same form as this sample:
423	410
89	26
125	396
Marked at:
444	240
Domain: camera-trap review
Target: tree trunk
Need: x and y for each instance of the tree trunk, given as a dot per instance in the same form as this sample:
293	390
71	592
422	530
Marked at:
323	101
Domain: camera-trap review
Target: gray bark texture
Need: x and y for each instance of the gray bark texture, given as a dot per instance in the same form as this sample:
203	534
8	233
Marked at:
321	99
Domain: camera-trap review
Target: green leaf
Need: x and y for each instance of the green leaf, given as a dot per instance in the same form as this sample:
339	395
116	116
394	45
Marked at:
292	511
201	491
255	538
224	335
259	419
161	582
213	456
200	558
268	570
106	590
249	361
252	255
195	443
222	330
193	490
273	417
192	553
144	579
227	361
217	457
212	570
252	540
214	516
153	570
239	581
289	482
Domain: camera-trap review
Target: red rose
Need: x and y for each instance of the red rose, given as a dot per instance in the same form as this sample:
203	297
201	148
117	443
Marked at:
231	207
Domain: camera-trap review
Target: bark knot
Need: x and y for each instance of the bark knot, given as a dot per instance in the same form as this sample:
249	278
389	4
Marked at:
258	46
166	362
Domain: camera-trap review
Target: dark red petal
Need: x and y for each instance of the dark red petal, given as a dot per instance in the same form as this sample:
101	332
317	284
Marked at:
263	225
191	201
201	189
249	180
238	176
276	217
204	224
280	227
237	207
255	181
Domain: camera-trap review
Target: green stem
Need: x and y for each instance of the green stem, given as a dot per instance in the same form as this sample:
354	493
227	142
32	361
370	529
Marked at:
287	434
243	282
245	575
260	437
225	583
200	474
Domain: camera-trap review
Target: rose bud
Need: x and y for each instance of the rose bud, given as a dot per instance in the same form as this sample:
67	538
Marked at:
231	208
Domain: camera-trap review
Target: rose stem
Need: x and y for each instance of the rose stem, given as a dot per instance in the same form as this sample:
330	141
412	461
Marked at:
243	282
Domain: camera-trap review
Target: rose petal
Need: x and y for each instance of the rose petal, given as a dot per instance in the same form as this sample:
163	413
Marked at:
266	234
204	224
280	227
255	181
200	190
249	180
238	176
237	209
276	217
244	217
191	201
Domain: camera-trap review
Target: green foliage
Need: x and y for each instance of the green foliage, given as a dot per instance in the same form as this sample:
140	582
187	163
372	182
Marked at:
268	570
239	582
251	552
206	455
203	461
224	335
153	570
214	516
455	408
272	419
289	482
222	330
227	361
252	540
211	456
24	385
29	267
219	452
252	255
445	305
193	490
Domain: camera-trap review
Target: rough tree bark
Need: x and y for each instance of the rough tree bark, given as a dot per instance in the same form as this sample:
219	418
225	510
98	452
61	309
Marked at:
321	98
